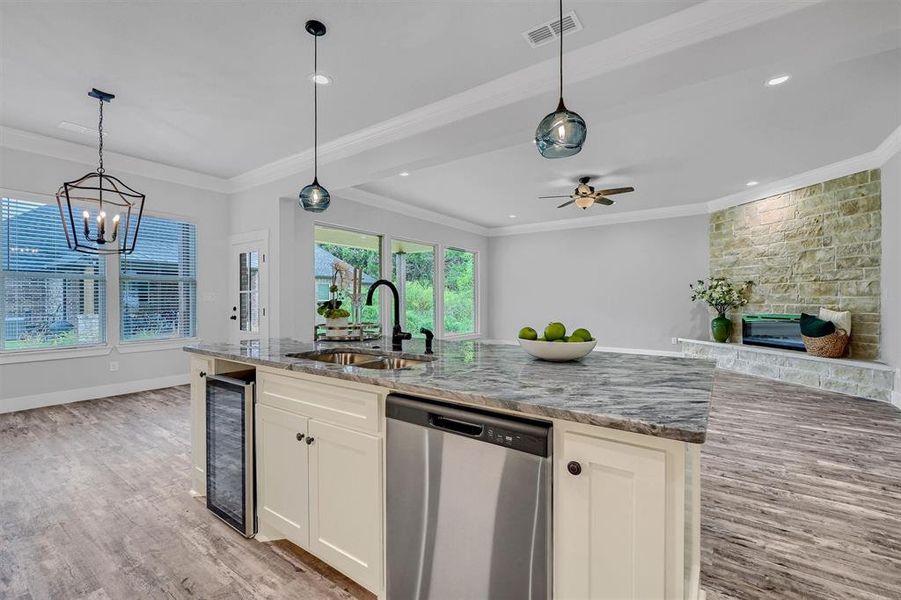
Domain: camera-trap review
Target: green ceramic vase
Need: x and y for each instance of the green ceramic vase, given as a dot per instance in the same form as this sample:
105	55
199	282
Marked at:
721	327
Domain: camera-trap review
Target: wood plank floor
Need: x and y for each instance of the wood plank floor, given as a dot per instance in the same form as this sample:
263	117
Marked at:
801	500
800	494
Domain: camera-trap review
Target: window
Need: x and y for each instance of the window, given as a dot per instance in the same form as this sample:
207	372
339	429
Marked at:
354	250
50	296
414	275
158	282
459	292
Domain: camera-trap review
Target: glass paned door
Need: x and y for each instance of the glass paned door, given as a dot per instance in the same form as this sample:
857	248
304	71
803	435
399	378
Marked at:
248	294
249	291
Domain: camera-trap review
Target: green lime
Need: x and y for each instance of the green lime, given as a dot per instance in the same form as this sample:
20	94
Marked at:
527	333
554	331
583	334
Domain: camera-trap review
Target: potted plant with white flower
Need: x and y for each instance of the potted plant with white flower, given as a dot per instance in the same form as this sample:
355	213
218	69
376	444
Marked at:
335	316
721	295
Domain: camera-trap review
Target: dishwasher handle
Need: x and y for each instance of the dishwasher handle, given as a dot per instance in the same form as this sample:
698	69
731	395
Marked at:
455	425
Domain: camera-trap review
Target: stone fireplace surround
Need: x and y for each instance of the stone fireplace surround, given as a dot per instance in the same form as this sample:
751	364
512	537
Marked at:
817	246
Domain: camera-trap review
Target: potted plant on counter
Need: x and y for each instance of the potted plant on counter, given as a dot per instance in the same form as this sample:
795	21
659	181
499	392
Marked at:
721	295
336	317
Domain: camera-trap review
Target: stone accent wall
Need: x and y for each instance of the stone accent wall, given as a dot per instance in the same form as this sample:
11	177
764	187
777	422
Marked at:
815	246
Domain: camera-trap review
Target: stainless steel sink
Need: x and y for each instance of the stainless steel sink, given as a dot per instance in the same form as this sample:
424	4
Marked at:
364	360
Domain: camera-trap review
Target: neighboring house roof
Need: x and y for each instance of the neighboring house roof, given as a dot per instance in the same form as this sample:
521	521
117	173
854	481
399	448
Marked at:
37	243
323	265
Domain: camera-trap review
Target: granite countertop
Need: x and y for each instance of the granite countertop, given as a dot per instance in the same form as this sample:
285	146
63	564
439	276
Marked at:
663	396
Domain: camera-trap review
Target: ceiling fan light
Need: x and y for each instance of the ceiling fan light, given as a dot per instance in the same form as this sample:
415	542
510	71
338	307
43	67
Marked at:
584	202
560	134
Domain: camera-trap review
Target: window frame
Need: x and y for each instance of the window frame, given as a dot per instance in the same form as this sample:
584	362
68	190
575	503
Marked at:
16	355
385	311
437	258
477	294
126	346
112	315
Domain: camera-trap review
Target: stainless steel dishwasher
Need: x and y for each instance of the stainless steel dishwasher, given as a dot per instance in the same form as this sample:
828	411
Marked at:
468	503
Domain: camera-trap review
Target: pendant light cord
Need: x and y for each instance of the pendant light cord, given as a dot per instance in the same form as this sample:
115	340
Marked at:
315	109
100	133
561	51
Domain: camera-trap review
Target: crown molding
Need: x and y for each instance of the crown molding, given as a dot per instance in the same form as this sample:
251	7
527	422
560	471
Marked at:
35	143
889	147
378	201
693	25
862	162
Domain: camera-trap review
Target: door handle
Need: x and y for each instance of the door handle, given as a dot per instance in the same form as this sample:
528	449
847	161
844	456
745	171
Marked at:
300	437
574	468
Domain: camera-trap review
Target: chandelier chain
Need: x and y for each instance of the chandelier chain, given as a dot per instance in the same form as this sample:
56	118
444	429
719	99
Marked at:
100	133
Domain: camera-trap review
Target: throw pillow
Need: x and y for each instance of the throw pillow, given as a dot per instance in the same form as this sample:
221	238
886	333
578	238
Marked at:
841	318
814	327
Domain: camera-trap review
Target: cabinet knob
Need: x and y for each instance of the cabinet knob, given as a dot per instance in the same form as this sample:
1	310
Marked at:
574	468
310	441
300	437
202	373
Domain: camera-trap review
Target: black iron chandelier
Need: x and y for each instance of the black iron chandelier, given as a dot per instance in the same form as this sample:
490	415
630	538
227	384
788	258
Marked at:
100	214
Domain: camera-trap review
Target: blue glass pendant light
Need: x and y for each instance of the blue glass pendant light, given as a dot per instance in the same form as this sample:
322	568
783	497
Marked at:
315	198
561	133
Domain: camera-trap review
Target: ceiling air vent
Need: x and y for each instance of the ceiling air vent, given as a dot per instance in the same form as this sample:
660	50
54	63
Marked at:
550	31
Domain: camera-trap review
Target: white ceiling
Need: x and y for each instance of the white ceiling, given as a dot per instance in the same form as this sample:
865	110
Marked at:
672	92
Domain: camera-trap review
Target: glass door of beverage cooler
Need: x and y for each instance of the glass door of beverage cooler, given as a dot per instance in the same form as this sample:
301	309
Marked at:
229	455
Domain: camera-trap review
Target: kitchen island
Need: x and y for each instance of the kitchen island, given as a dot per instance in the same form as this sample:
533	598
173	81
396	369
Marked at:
625	518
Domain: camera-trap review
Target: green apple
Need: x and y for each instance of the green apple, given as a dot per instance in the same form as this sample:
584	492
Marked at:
555	331
527	333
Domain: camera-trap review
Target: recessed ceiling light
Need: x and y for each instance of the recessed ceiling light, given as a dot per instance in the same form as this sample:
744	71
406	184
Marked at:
752	183
320	79
512	216
404	174
778	80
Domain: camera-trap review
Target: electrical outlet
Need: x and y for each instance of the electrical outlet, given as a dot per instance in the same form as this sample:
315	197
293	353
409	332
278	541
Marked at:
674	341
113	365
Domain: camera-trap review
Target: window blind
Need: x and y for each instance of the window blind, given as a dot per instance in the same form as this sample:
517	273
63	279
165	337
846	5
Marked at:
50	296
158	282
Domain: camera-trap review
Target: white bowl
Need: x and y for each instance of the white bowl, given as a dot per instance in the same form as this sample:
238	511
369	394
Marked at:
557	351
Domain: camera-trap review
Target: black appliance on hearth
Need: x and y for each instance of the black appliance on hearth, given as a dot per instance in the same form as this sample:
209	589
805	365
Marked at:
772	330
230	490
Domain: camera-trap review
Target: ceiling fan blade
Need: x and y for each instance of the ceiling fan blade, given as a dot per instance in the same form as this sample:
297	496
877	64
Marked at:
604	201
546	197
566	204
622	190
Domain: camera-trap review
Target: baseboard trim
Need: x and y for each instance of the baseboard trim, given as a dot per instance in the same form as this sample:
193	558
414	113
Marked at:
9	405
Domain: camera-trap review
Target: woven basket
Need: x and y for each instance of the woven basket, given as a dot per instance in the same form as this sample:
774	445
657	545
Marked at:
833	345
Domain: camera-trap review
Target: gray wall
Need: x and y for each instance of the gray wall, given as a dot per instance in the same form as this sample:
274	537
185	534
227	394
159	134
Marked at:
891	267
627	283
81	378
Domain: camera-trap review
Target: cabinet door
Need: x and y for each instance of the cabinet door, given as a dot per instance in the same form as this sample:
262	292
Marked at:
282	473
345	502
611	520
199	369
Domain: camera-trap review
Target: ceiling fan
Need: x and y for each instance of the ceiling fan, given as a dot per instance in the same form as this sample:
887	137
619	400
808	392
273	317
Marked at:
585	195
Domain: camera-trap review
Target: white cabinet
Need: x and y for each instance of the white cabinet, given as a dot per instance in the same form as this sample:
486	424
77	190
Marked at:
345	501
282	473
324	491
199	369
611	520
